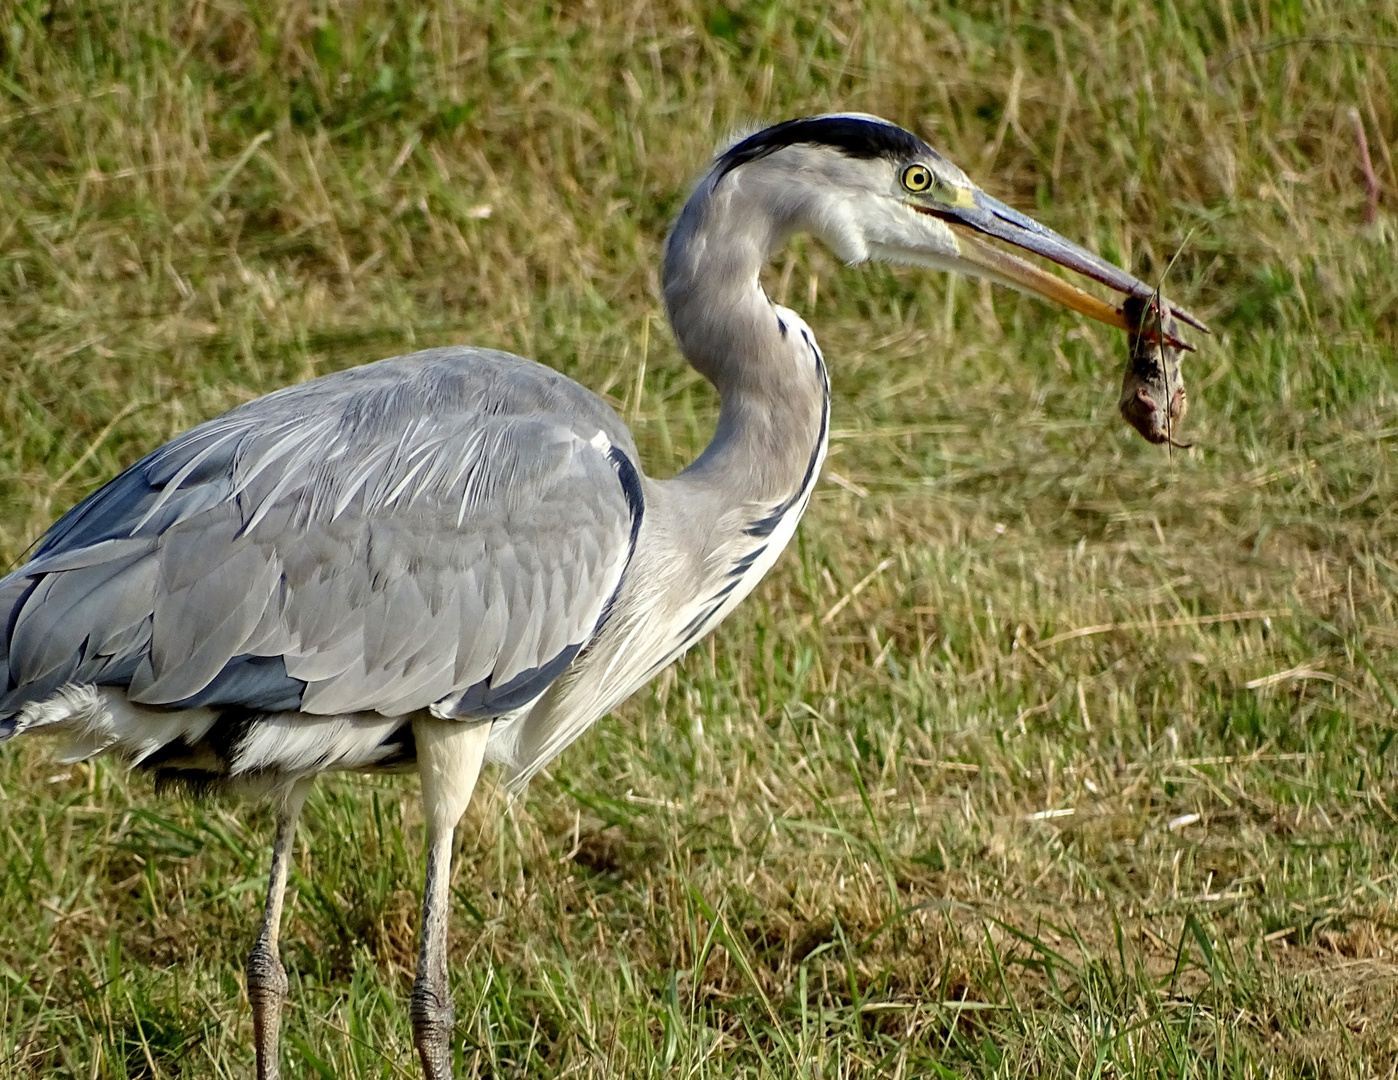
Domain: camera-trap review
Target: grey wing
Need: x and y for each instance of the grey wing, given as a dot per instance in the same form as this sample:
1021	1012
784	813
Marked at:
441	530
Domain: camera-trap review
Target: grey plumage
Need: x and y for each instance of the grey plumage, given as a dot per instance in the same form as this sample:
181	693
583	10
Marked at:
453	556
390	538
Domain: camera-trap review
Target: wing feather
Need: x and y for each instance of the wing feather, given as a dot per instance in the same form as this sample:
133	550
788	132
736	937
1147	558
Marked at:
443	529
200	628
325	664
51	637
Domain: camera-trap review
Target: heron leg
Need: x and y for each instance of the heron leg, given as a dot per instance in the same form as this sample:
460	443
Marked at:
449	754
267	984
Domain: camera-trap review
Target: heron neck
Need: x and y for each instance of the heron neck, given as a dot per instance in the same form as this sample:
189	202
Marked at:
761	358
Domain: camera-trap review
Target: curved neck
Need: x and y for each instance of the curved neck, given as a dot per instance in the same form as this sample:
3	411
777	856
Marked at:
761	358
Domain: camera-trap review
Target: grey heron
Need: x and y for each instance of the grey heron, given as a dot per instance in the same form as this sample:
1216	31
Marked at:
453	556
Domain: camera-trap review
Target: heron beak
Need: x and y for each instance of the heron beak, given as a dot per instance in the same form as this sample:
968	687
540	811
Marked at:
976	212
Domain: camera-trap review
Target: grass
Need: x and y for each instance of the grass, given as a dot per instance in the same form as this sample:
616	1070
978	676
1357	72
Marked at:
1041	752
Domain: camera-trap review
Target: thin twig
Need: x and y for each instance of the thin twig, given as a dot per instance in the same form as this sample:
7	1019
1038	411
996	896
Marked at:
1366	166
858	588
1193	620
92	448
1261	47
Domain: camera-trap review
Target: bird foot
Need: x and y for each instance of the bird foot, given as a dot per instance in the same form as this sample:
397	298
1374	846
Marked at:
433	1022
267	990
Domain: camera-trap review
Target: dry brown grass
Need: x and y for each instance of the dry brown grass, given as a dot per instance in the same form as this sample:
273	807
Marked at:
905	816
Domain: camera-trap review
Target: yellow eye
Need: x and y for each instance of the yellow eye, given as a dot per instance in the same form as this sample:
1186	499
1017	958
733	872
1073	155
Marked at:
917	178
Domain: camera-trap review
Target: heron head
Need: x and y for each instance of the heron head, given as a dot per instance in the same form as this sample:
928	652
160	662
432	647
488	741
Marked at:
875	191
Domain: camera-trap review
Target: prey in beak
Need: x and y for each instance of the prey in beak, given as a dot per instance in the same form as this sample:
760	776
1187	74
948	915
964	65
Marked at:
974	215
1153	398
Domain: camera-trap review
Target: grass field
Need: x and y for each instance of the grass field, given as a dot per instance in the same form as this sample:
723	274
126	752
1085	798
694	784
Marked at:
1042	752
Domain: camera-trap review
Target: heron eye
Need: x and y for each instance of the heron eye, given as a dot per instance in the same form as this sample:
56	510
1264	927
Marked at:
917	178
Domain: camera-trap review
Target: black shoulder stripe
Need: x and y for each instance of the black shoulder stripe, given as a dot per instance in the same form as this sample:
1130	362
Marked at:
635	502
485	700
631	488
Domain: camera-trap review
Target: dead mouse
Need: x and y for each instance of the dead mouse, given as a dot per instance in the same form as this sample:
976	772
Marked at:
1153	397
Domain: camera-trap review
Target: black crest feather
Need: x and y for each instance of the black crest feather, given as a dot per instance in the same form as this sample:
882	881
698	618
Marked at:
856	136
